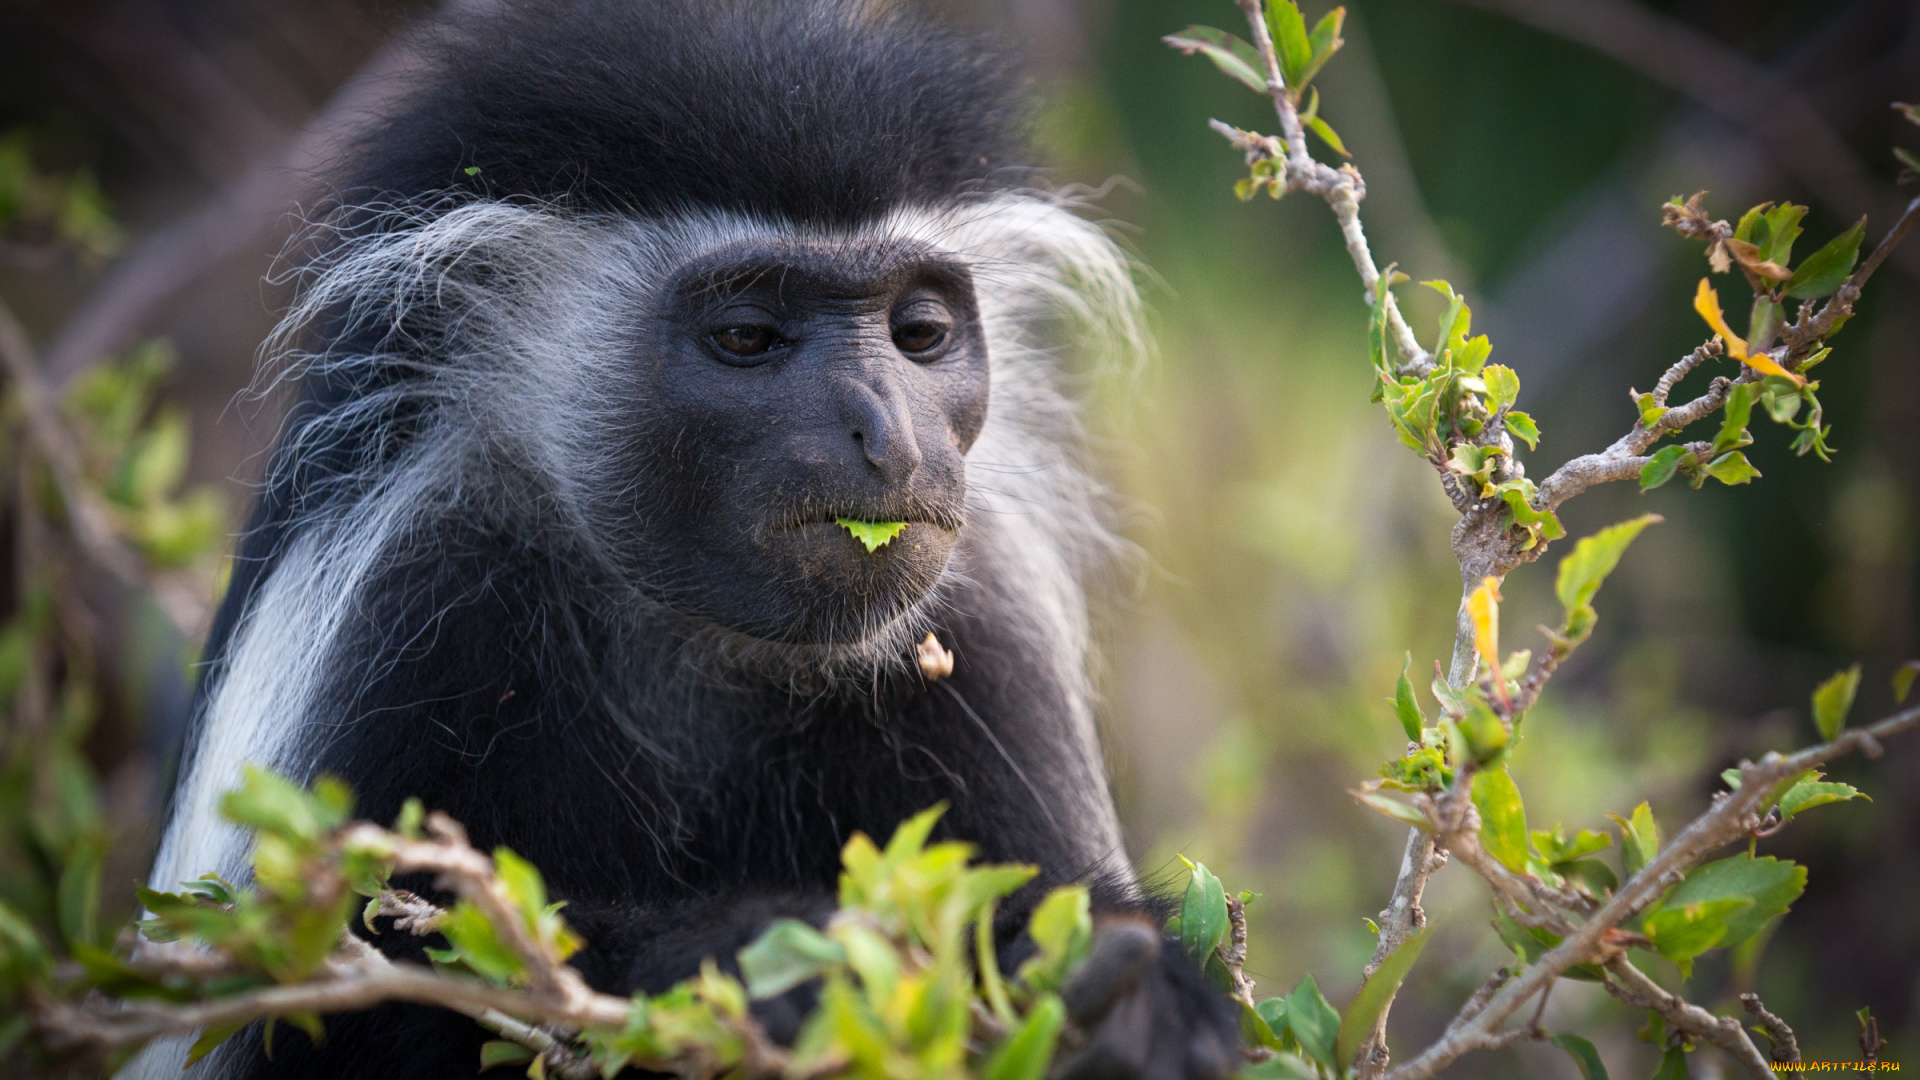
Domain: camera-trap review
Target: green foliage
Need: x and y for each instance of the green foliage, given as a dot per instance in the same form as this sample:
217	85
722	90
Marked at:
1376	994
1833	699
1902	681
1585	1057
1673	1064
1203	915
1583	570
137	452
1827	269
1313	1023
1302	53
1639	839
41	209
873	535
1405	706
1231	55
1503	819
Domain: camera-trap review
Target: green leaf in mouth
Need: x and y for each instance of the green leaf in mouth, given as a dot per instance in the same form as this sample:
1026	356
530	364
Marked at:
873	535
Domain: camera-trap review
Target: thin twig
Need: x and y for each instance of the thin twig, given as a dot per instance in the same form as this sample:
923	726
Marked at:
1786	1048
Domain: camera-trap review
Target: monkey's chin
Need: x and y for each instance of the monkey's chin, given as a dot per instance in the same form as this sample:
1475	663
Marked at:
830	590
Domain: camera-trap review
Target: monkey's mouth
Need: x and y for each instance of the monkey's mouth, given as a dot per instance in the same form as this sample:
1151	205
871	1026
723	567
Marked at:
909	512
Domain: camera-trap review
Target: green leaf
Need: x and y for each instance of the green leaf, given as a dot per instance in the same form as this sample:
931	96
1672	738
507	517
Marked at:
1521	426
1731	468
477	944
1406	706
1313	1022
1290	46
1377	325
1833	699
1203	915
1681	932
1596	876
1228	53
1739	408
1770	885
1274	1011
873	535
1764	320
1374	996
1281	1066
154	464
212	1037
1397	810
1027	1052
79	894
1539	524
1503	819
1639	839
1661	466
1650	410
1586	567
497	1052
1783	228
1781	397
1554	846
1673	1066
1325	39
1503	385
787	953
1903	680
1319	126
1061	920
272	804
1585	1057
1809	793
1826	270
1752	226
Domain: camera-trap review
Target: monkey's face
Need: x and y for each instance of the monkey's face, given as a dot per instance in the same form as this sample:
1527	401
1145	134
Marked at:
782	389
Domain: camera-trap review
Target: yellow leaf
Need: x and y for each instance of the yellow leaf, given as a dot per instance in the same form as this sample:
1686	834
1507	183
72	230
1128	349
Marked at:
1707	303
1483	607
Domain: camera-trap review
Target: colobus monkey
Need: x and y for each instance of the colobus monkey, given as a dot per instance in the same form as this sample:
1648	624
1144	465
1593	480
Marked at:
621	308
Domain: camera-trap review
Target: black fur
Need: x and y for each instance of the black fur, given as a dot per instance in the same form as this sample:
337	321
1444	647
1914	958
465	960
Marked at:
806	112
489	673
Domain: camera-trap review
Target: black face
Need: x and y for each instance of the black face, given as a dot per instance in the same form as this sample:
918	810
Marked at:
781	388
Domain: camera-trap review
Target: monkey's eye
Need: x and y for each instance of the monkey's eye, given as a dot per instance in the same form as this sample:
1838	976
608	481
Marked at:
746	341
921	326
919	337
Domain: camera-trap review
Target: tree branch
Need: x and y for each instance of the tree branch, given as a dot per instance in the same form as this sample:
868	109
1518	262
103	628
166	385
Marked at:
1733	816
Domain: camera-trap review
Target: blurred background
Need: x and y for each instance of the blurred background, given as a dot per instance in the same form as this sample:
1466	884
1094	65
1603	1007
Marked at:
1294	552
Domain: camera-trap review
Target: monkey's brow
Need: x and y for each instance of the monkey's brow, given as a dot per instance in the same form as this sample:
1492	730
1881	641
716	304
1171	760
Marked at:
787	279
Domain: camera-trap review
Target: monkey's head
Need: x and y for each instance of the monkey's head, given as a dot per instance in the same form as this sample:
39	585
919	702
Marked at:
709	326
778	389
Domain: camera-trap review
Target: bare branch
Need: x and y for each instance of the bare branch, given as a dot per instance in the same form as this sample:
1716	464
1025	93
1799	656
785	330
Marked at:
1632	986
1786	1048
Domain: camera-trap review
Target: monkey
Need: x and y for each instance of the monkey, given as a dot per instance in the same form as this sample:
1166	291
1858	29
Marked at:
614	318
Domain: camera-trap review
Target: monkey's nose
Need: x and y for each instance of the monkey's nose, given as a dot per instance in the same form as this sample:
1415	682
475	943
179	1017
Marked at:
883	426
